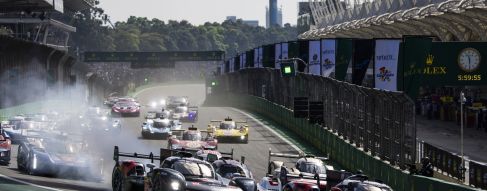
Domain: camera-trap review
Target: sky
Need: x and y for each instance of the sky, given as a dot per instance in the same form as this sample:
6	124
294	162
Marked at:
197	12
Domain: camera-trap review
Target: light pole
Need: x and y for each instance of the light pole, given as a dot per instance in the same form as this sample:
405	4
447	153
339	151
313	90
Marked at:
462	102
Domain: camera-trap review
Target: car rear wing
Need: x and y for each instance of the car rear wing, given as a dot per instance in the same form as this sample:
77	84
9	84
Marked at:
117	154
227	155
300	155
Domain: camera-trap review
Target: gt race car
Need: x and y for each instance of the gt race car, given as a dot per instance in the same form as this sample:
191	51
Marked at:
126	108
192	139
228	130
102	124
178	171
159	128
56	155
308	173
185	114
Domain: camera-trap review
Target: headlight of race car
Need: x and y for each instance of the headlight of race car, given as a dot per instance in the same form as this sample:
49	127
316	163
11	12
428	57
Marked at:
175	185
242	137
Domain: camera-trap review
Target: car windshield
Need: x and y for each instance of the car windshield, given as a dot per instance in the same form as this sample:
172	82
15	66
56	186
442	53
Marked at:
191	136
124	104
181	109
312	168
227	171
193	169
179	100
59	147
367	187
227	125
161	124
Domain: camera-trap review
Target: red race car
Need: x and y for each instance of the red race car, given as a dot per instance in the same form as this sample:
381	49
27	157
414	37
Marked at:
192	140
5	147
126	108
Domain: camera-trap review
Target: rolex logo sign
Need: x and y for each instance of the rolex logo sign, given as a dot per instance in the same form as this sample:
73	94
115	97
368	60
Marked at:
429	60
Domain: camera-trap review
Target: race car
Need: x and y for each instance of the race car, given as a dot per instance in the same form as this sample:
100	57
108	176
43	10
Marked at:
103	124
192	140
5	147
126	108
175	101
229	169
355	182
178	171
111	99
228	130
159	128
163	114
309	172
185	114
18	125
55	154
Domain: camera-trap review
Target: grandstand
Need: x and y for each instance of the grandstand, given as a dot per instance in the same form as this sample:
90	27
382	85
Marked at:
448	20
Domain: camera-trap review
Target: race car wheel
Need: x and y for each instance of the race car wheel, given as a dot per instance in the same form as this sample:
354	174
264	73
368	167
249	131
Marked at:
118	182
19	165
246	140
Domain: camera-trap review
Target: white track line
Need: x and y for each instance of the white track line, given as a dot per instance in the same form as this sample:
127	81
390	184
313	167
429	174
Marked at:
28	183
270	129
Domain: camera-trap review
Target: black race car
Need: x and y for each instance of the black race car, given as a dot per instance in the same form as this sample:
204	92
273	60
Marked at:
178	171
230	170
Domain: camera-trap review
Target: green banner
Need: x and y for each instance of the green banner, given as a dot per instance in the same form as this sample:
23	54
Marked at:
456	64
415	51
140	57
343	57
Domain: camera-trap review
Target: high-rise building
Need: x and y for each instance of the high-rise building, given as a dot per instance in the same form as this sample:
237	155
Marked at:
232	18
305	17
273	13
279	17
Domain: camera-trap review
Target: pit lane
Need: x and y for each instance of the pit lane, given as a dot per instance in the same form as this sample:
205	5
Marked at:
255	152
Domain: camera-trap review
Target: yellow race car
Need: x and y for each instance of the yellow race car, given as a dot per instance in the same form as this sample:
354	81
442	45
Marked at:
228	130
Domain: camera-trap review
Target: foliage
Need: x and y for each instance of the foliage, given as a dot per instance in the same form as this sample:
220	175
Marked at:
141	34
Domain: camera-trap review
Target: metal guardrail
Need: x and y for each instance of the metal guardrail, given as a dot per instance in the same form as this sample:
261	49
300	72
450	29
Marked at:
382	123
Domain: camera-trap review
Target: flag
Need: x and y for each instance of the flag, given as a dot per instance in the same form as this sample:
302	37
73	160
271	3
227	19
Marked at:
386	64
363	56
314	57
328	47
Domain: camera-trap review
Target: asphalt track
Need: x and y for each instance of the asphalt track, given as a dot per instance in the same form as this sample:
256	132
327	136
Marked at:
261	138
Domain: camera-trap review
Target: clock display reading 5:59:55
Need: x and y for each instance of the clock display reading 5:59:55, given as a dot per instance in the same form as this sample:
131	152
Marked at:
469	59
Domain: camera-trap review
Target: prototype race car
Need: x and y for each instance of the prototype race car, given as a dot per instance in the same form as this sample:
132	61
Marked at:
309	173
178	171
354	182
185	114
56	155
175	101
192	140
229	169
159	128
5	147
228	130
103	124
126	108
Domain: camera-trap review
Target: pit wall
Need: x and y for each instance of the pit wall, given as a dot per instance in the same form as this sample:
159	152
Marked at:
339	150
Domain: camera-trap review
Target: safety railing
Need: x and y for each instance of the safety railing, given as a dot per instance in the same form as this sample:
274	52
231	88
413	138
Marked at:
382	123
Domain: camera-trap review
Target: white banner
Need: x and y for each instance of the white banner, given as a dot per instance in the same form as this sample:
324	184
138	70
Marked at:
285	50
386	64
314	60
261	57
328	49
256	57
278	56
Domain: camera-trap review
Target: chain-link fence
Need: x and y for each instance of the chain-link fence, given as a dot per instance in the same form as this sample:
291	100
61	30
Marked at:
381	122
